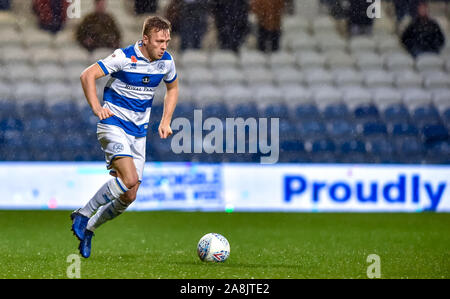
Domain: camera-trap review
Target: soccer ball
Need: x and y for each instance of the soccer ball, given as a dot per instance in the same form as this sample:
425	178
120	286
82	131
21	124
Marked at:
213	247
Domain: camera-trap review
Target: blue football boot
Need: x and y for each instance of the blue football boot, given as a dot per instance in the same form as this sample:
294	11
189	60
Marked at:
85	244
79	224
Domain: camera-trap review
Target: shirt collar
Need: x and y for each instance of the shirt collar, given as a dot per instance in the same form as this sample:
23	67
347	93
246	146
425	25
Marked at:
138	51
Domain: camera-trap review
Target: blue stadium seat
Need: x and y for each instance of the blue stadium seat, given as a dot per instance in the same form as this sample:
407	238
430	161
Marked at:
8	108
279	110
352	146
425	114
374	129
396	113
340	128
336	111
245	110
34	108
409	150
434	133
402	129
438	153
312	129
63	110
323	145
380	147
307	112
11	123
366	112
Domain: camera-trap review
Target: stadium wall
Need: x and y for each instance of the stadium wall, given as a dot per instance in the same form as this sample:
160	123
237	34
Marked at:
236	187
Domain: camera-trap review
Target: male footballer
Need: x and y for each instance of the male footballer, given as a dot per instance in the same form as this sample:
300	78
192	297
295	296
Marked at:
135	72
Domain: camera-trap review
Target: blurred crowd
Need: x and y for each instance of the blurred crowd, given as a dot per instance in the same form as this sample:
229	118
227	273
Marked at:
189	18
421	34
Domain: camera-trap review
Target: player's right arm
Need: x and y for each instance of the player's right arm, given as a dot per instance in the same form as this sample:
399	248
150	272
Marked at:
88	77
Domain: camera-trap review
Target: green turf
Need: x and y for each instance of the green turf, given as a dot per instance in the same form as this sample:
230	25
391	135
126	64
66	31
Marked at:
35	244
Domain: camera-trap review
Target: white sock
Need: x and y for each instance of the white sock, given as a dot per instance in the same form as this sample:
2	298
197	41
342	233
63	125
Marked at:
110	191
107	212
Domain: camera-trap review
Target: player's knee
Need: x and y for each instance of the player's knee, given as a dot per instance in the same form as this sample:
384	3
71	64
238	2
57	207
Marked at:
130	181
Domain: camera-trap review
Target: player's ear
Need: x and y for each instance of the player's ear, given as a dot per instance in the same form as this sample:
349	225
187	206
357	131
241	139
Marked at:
145	39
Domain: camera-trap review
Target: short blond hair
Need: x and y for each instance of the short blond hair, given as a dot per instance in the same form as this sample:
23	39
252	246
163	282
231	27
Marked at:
155	22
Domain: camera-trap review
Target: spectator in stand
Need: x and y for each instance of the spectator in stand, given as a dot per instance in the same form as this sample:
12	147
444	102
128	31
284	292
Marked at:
269	14
52	14
5	4
145	6
193	23
98	29
424	34
231	30
359	22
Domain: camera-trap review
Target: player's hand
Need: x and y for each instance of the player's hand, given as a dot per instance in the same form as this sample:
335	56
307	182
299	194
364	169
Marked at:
103	113
164	131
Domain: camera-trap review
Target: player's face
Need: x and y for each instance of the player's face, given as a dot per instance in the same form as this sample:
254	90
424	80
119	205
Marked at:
156	43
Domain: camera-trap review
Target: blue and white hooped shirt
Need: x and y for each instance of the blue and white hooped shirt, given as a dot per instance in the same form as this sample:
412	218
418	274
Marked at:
130	91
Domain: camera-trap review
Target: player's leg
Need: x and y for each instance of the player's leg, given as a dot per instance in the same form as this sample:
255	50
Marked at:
127	175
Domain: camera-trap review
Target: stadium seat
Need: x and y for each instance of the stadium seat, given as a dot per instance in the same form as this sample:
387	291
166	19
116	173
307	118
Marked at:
310	129
340	128
225	76
380	149
280	59
194	58
362	44
197	75
293	94
434	132
310	60
306	111
385	97
336	111
408	79
318	77
366	61
366	112
396	112
355	96
330	41
429	62
436	79
276	110
257	76
374	129
426	113
339	60
347	77
222	58
236	93
399	62
287	76
252	59
403	129
378	78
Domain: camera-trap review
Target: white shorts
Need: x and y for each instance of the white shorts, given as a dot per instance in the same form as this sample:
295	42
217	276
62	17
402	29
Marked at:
116	143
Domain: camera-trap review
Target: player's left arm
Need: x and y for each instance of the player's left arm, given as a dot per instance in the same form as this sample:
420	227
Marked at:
170	102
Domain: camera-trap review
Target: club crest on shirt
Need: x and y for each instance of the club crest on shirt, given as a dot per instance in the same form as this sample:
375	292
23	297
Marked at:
117	147
161	66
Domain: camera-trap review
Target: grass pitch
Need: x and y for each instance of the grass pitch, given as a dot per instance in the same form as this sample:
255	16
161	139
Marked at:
36	244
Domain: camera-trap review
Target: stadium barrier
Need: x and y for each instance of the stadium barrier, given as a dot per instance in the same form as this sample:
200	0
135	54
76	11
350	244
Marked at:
236	187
